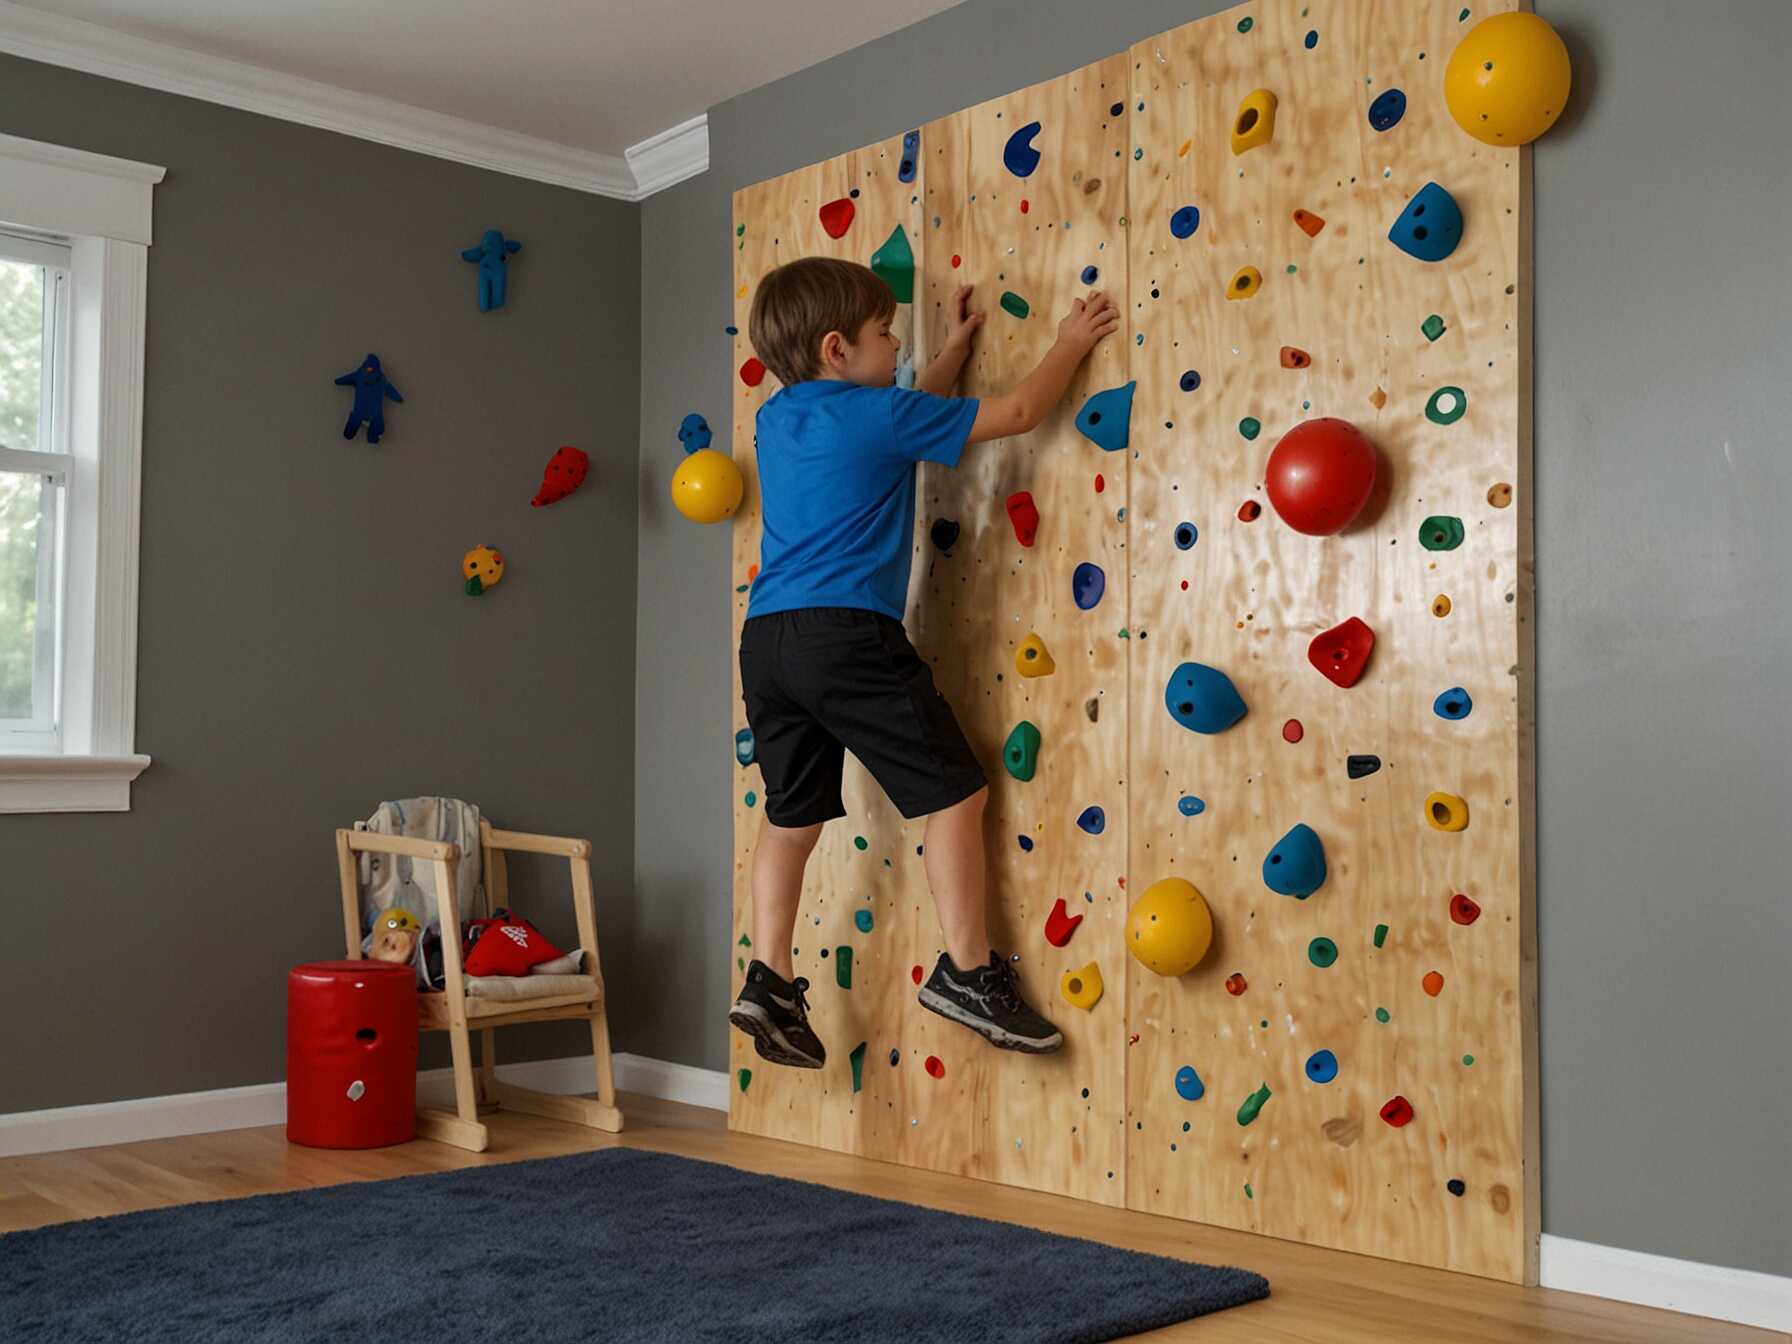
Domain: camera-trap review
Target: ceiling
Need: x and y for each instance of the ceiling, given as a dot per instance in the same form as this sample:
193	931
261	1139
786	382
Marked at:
597	76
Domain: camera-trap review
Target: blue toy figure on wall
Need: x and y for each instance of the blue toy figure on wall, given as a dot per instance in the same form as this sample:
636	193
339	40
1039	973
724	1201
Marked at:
491	253
371	391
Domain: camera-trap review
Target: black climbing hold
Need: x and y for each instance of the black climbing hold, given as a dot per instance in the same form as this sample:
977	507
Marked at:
944	533
1457	1188
1359	766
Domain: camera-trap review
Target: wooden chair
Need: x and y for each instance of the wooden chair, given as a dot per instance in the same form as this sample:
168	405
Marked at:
480	1092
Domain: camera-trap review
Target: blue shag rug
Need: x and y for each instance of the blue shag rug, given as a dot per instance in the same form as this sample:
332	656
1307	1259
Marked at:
617	1245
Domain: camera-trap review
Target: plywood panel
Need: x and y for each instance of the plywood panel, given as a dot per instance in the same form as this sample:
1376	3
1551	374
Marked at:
1318	1163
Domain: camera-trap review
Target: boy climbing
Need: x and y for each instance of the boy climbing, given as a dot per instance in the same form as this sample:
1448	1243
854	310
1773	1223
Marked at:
825	664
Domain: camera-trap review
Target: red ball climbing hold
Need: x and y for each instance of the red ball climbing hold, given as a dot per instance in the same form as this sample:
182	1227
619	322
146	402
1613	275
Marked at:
1342	652
1235	984
957	261
1023	205
1463	910
1100	484
915	975
564	473
1320	474
935	1069
1397	1111
1059	925
836	217
1432	984
1024	516
1292	731
752	373
1249	511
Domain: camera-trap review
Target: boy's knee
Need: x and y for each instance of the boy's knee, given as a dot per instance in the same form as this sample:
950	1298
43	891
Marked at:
793	837
970	806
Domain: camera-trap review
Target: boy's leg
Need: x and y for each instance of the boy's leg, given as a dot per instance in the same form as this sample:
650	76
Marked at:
952	849
779	857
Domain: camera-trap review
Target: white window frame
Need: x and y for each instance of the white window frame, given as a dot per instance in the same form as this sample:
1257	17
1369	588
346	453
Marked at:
101	207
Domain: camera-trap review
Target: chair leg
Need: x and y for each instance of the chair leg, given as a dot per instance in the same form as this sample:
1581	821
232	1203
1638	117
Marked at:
600	1052
460	1127
486	1082
594	1114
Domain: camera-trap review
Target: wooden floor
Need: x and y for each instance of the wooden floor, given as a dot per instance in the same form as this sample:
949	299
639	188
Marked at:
1316	1295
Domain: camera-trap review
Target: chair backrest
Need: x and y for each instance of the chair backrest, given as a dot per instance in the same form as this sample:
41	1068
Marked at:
388	880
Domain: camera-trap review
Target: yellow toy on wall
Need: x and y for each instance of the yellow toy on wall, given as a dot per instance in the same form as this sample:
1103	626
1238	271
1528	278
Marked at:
483	567
1169	928
1507	81
707	487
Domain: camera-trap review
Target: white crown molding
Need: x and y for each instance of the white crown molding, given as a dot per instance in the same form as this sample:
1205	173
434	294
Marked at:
76	44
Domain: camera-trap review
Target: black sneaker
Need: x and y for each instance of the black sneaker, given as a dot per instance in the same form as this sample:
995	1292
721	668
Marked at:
987	1000
773	1011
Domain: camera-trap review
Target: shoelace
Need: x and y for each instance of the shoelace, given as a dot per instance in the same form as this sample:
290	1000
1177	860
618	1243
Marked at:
998	978
797	986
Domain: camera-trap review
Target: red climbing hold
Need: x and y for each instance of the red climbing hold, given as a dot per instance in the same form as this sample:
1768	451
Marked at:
1024	516
1292	731
1295	359
1320	474
1100	484
1059	925
1342	652
752	373
1463	910
1397	1111
1310	223
836	217
1023	205
935	1069
1249	511
957	261
1235	984
915	975
565	472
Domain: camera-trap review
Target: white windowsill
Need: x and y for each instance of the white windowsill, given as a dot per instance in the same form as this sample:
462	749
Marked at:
68	783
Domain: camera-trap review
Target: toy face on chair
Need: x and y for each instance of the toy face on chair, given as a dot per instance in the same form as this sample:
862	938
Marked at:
483	567
395	935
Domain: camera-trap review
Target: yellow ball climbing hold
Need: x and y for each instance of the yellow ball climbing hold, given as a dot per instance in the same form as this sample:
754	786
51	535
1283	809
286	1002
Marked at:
1082	989
482	567
1246	283
1169	927
1255	123
1508	79
707	487
1032	660
1440	605
1446	812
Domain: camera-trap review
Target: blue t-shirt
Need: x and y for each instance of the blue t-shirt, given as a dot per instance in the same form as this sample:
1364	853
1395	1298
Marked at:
837	491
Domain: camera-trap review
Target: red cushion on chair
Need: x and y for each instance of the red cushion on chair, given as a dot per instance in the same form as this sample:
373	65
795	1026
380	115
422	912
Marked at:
508	946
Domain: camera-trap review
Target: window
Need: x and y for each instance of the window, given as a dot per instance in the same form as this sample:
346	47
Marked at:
74	268
34	470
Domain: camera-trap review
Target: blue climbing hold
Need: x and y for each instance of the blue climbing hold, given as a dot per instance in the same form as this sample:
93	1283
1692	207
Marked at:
1185	221
911	151
1186	535
1190	806
1296	866
693	433
1090	275
1190	380
743	746
1093	820
1454	703
1026	843
1203	699
1322	1066
1106	418
1018	155
1430	226
1087	584
372	389
491	253
1387	109
1189	1085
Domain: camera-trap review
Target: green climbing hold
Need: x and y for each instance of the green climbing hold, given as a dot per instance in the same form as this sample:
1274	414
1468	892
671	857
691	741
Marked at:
1245	24
1446	406
739	229
745	1076
843	967
745	941
859	842
894	264
1250	427
1381	934
1020	753
749	798
1381	1014
1440	532
863	919
1433	327
1013	303
858	1063
1322	952
1252	1104
1247	1191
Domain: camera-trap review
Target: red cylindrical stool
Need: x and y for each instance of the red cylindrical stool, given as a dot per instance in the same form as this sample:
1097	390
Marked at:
351	1054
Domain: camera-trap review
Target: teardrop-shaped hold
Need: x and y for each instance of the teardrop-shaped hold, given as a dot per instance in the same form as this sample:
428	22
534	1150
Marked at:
1082	989
1092	820
1342	652
1059	925
1087	584
1032	660
894	264
1454	703
1106	418
1203	699
1309	223
1188	1084
1255	123
1430	226
836	217
1246	283
1020	753
1296	865
1018	155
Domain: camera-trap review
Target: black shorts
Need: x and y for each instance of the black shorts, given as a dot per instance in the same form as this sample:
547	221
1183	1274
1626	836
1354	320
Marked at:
823	681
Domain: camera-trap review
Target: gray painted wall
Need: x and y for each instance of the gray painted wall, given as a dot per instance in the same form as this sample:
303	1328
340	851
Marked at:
305	648
1662	346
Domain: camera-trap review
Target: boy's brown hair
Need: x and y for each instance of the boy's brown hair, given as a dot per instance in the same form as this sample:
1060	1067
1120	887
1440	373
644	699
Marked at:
801	301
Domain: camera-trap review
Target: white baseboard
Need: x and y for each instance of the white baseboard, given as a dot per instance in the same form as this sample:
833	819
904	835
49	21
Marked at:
1739	1295
265	1103
1571	1266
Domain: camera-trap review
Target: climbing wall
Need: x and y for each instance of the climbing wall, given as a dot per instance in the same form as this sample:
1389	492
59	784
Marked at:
1354	1068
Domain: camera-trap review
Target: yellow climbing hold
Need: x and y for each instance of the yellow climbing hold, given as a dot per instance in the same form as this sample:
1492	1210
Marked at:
1246	283
1032	660
1255	123
1446	812
1169	928
482	567
1082	989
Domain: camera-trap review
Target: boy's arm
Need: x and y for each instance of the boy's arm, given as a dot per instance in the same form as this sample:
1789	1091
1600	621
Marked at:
1024	408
